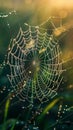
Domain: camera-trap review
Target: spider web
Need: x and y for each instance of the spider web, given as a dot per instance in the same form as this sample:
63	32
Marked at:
34	60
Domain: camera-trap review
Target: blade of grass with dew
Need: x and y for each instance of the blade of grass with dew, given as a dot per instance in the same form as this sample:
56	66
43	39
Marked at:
49	107
6	113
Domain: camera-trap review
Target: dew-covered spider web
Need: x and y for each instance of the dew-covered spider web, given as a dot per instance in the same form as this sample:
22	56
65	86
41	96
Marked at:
35	65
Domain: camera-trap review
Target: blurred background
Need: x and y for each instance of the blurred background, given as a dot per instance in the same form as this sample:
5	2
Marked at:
13	15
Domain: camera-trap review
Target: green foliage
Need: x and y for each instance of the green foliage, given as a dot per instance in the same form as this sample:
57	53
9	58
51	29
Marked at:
6	122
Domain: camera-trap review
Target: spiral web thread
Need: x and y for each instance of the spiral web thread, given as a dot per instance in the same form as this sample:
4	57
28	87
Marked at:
44	83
